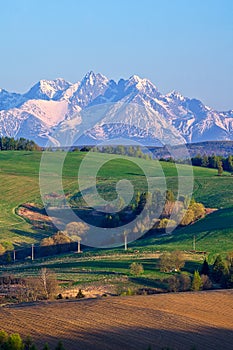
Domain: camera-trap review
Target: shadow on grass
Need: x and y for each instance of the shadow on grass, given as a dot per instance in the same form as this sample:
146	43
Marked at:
35	235
148	282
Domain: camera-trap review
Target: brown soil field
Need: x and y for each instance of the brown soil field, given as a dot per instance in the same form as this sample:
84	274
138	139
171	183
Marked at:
178	321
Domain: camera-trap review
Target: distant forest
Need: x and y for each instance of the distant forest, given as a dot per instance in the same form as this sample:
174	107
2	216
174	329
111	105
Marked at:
214	162
21	144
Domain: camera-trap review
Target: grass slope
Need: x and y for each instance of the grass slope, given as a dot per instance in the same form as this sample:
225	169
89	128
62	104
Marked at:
19	183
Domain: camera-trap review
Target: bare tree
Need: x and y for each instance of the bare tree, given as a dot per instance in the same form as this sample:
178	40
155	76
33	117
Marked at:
33	289
49	283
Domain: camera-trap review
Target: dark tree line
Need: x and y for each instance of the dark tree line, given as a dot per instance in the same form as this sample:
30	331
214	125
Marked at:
130	151
21	144
214	162
219	274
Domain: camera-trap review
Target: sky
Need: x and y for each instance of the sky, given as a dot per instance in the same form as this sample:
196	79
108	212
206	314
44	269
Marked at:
179	45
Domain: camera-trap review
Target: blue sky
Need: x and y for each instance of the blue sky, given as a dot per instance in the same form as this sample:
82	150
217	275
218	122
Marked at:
177	44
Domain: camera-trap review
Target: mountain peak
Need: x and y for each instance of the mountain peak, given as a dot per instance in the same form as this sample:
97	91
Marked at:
175	95
91	78
135	78
49	102
47	89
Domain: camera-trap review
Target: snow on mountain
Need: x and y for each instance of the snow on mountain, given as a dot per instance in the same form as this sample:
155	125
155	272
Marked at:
49	112
10	99
48	89
97	108
91	86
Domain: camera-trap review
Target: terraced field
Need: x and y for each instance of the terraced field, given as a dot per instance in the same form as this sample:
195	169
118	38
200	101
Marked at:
184	321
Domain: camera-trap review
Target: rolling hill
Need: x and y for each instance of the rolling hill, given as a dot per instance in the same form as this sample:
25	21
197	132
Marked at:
19	176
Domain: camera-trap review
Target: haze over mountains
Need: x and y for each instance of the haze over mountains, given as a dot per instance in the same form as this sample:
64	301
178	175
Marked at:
52	105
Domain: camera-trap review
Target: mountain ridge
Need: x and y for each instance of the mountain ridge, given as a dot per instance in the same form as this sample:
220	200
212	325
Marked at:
50	104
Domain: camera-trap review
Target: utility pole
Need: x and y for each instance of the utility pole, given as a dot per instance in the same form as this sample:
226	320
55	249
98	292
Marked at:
79	246
125	241
32	251
194	243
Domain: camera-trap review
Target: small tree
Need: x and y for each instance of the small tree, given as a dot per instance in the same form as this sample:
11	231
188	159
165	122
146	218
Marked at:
49	283
165	262
80	294
205	270
229	276
3	338
33	347
60	346
8	258
173	284
171	261
206	282
178	259
185	282
218	269
198	210
188	217
136	269
28	343
197	282
220	168
14	342
46	347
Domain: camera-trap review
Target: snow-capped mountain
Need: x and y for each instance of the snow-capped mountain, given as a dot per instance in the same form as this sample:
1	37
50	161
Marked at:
97	108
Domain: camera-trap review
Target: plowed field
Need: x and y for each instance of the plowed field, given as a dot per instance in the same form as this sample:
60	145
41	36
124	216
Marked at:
178	321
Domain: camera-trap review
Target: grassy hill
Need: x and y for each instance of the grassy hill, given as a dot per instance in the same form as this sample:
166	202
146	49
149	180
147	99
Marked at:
19	173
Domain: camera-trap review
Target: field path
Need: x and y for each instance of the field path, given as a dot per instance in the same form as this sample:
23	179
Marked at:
178	321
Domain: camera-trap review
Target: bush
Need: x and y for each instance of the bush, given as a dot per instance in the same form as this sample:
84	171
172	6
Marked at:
136	269
80	294
166	223
206	282
179	283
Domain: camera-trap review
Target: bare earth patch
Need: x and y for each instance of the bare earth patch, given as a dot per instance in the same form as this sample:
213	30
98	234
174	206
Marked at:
178	321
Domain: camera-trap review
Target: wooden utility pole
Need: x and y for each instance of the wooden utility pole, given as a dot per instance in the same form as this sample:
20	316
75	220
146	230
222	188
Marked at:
79	246
125	241
194	243
32	251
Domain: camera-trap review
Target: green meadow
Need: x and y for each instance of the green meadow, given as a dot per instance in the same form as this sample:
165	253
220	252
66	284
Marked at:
19	179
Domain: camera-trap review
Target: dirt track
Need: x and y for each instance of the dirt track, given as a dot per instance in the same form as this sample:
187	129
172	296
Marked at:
178	321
